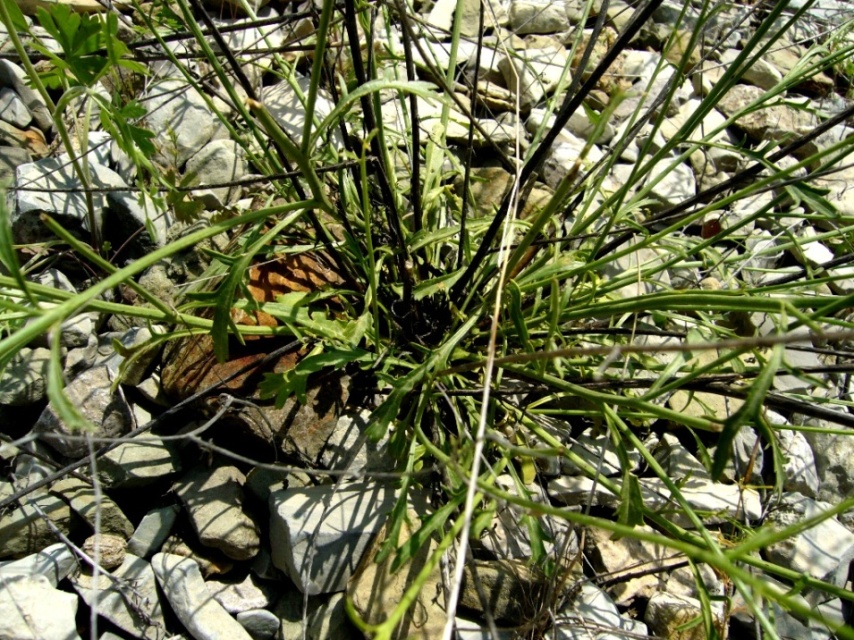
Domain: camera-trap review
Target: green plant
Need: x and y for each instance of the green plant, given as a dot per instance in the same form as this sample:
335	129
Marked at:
457	312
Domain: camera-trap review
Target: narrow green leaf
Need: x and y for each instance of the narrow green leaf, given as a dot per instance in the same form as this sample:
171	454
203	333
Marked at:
748	413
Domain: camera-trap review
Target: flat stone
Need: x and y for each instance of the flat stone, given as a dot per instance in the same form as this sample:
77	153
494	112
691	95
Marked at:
833	455
375	591
799	462
13	109
202	616
538	16
126	217
152	531
777	123
260	623
593	614
318	534
214	501
14	77
83	501
181	120
23	531
534	73
10	159
220	161
30	141
24	380
324	617
284	104
55	563
50	179
581	490
242	595
32	609
630	556
340	452
718	501
135	607
441	16
817	551
138	462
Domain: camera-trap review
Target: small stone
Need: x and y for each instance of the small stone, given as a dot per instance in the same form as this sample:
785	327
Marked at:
84	502
10	159
319	534
91	393
341	452
202	616
23	531
111	549
14	77
817	551
630	556
214	501
535	72
593	608
218	162
129	600
152	531
181	120
284	104
31	609
538	16
13	109
244	595
138	462
259	623
55	563
24	380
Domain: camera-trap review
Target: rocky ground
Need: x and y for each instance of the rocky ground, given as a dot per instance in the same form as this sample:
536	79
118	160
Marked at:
197	526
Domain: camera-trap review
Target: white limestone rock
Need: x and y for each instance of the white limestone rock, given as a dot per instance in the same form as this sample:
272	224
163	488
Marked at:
318	535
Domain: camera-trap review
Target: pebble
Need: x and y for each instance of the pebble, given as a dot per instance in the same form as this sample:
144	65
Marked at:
184	588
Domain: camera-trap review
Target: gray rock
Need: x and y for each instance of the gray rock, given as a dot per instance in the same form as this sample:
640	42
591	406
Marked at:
50	179
761	73
180	118
245	595
24	380
534	73
202	616
13	110
340	452
580	490
130	600
127	217
719	501
318	535
817	551
23	531
538	16
84	502
799	464
138	462
630	556
219	162
152	531
833	455
595	449
259	623
12	76
324	619
135	365
594	615
31	609
676	461
10	159
441	16
214	501
284	104
510	536
674	184
77	330
91	393
55	563
682	582
511	588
